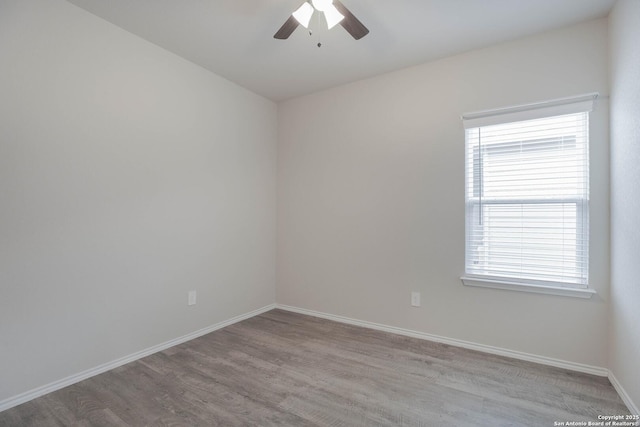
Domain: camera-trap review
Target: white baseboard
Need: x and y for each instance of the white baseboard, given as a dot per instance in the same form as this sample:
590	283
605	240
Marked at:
579	367
633	408
64	382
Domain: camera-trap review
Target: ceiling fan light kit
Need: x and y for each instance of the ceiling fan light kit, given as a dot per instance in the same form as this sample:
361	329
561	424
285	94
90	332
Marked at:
333	17
322	5
334	12
303	14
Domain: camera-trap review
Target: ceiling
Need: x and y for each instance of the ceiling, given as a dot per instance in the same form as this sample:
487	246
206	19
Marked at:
234	38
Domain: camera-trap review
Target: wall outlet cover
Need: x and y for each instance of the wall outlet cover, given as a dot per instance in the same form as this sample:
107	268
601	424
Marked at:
415	299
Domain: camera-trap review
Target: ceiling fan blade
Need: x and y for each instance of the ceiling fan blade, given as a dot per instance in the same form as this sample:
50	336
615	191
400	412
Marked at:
287	28
350	22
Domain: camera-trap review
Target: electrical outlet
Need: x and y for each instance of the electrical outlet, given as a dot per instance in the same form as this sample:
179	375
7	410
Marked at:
415	299
192	298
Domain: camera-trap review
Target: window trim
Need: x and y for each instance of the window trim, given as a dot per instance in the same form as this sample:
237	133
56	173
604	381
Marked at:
537	110
551	288
520	113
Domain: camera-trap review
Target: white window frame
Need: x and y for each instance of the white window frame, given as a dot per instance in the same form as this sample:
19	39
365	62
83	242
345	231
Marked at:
557	107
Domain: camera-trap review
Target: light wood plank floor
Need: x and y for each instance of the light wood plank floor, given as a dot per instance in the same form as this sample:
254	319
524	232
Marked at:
286	369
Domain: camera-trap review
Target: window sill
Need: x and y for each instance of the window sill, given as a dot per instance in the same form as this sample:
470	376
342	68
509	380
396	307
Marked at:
499	283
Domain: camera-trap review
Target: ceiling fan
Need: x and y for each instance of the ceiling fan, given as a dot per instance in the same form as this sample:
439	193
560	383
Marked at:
334	13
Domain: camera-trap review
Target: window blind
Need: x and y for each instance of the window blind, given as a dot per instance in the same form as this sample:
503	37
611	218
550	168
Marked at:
527	194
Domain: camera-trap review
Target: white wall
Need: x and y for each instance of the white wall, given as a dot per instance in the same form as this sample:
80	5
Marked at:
128	176
371	197
624	340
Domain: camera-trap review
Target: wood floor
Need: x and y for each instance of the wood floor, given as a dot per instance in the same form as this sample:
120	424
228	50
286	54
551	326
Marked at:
286	369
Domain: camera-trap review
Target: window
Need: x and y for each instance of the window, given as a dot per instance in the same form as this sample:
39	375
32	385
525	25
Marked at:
527	197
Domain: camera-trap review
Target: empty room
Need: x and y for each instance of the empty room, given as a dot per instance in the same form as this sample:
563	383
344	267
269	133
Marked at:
319	213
